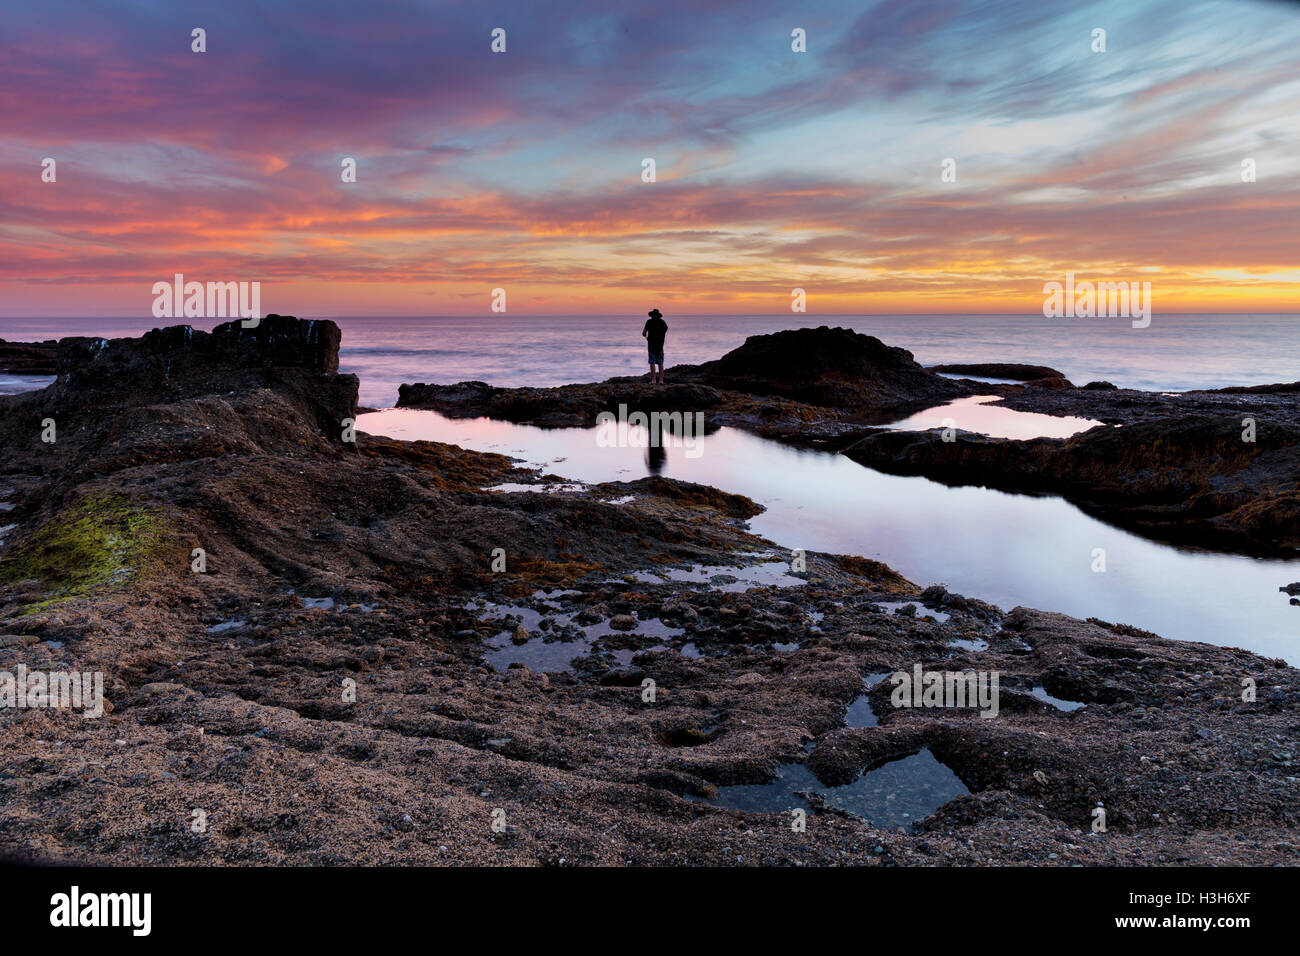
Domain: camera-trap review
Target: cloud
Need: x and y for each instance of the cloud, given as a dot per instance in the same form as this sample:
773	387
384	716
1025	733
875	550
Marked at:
524	168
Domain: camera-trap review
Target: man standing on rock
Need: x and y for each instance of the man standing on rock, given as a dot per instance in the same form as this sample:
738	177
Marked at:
655	330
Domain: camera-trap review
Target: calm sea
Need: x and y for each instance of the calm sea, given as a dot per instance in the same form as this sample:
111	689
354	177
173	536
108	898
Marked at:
1177	352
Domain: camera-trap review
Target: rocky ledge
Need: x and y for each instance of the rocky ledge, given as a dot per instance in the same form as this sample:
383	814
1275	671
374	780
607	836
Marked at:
28	358
352	677
1218	469
802	386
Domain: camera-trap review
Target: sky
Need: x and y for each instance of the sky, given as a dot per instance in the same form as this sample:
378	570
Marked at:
774	169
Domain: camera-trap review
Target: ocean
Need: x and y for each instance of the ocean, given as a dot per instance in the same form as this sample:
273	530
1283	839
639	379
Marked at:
1176	353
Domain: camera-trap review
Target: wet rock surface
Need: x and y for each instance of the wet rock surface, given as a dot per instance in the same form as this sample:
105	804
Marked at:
323	690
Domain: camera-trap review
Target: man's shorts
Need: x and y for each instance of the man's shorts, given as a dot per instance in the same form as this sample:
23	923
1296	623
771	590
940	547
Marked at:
657	358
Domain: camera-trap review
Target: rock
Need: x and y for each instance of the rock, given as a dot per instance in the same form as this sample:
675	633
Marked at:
1183	478
1052	381
622	677
1008	370
825	366
623	622
28	358
592	615
520	635
1101	387
18	640
160	687
297	357
820	368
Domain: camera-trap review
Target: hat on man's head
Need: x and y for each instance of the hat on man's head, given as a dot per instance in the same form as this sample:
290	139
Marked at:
655	314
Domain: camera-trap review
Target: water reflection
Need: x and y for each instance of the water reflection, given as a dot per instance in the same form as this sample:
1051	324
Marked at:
656	457
896	794
979	413
1005	548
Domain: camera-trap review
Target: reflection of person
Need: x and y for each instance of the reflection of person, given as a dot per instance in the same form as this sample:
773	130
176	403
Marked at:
656	456
654	331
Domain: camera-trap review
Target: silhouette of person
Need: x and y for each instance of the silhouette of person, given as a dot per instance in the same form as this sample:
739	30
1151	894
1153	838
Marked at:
654	331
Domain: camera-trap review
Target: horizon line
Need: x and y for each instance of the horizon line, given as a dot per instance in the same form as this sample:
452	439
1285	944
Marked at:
468	315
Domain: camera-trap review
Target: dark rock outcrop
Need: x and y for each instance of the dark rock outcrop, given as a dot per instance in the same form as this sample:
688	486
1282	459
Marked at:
565	406
240	388
800	385
180	357
1008	370
28	358
1190	478
836	368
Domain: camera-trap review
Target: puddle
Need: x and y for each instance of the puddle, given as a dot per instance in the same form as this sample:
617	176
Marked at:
537	654
224	626
1066	705
556	654
895	794
7	506
980	414
860	712
16	384
972	644
724	578
511	487
894	607
329	604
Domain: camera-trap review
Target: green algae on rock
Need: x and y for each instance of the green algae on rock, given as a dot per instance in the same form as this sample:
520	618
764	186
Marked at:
99	541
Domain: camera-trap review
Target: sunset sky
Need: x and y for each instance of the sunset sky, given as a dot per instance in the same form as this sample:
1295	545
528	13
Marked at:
775	169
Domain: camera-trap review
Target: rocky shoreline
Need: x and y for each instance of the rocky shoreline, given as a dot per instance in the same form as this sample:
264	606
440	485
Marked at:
371	567
1217	469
